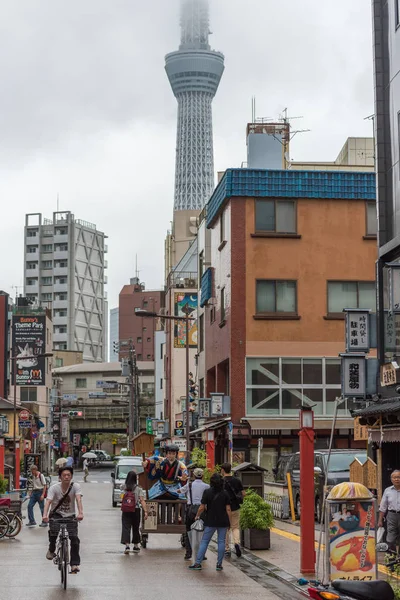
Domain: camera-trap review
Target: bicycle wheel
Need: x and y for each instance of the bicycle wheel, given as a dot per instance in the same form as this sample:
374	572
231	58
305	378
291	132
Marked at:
15	525
64	563
4	524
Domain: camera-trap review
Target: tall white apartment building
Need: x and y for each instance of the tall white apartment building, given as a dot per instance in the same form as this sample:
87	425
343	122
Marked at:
64	269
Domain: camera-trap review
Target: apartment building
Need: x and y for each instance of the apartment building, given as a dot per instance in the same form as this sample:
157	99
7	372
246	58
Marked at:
64	269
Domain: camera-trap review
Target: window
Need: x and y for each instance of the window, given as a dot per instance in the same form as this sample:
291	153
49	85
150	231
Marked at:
47	264
59	362
47	281
276	297
350	294
149	339
201	333
31	282
201	388
31	233
61	280
162	351
60	297
139	340
47	248
212	314
62	346
222	228
161	383
47	297
32	249
60	329
149	357
80	383
60	313
28	394
275	216
145	303
61	247
139	357
223	305
201	265
279	386
372	221
31	265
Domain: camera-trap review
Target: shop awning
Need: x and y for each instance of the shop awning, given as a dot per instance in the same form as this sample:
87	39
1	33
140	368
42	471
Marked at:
211	425
385	406
385	435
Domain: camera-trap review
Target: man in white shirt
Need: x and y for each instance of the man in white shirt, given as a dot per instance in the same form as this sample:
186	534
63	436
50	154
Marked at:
61	499
37	495
390	508
85	469
194	493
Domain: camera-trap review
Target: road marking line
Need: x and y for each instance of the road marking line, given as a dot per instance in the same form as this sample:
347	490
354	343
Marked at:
296	538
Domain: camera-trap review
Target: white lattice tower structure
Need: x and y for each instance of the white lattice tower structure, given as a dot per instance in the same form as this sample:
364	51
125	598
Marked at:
194	72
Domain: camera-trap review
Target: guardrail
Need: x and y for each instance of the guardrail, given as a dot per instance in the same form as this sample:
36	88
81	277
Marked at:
279	505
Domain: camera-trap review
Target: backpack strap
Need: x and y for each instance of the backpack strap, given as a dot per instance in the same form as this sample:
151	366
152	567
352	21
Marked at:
61	501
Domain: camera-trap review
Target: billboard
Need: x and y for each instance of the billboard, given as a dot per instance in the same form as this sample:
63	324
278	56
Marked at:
185	306
29	342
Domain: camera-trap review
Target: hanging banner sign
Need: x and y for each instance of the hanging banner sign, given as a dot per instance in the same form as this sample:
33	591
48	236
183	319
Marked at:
357	330
29	342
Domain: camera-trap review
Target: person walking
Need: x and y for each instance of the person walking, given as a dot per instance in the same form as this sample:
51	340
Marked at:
236	493
37	496
216	503
70	461
133	498
85	469
61	499
390	508
194	492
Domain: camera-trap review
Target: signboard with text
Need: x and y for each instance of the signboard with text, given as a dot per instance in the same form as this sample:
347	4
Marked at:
360	431
388	375
180	442
354	380
357	331
29	342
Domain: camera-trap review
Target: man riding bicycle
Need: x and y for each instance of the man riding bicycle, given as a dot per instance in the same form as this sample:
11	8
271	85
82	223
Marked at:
60	501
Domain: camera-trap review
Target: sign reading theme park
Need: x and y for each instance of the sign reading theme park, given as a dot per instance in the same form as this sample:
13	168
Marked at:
29	342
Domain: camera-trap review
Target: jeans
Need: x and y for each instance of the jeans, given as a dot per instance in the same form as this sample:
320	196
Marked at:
130	527
207	535
35	498
235	528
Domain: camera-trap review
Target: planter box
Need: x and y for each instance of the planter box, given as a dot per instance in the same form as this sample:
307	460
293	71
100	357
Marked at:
257	539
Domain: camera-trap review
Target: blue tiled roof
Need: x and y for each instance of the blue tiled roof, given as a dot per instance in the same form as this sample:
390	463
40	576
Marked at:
269	183
206	287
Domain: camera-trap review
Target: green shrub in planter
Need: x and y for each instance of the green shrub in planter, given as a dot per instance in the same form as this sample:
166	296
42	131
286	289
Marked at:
256	519
3	484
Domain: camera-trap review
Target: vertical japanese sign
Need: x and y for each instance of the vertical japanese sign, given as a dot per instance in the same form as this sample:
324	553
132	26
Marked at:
29	343
352	545
354	375
357	331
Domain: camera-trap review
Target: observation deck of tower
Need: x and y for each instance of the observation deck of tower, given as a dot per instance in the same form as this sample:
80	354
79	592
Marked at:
194	72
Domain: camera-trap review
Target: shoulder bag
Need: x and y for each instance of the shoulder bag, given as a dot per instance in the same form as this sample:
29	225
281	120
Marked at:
61	501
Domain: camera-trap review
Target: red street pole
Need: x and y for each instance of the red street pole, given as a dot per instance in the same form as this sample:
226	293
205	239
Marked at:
307	499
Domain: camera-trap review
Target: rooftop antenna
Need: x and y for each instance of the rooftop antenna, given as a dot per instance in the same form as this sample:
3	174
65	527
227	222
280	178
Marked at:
58	202
285	119
16	288
136	269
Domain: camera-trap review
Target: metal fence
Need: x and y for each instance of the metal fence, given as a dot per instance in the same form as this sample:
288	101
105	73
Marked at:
279	505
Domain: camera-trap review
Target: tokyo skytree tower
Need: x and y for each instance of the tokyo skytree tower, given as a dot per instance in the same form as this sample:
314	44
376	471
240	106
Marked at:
194	72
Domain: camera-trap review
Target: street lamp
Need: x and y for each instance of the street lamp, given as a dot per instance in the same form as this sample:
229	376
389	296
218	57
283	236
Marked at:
147	313
13	359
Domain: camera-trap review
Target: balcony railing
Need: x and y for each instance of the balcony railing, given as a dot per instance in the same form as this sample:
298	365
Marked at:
182	280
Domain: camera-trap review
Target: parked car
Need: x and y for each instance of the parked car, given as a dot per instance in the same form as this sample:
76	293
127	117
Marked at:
121	470
338	471
101	455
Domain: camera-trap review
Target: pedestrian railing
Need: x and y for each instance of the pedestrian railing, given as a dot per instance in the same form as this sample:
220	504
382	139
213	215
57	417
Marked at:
279	505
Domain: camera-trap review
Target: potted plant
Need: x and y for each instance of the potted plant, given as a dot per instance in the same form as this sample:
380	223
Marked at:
3	485
256	520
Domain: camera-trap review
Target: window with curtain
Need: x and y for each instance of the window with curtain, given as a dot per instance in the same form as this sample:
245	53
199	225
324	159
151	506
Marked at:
276	216
351	294
275	296
372	221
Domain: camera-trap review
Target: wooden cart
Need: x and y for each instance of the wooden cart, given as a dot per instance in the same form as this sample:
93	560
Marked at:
164	516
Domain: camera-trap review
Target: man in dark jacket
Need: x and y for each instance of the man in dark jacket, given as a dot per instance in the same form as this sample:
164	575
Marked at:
236	493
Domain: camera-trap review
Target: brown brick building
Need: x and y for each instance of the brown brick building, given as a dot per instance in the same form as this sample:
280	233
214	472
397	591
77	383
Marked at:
140	329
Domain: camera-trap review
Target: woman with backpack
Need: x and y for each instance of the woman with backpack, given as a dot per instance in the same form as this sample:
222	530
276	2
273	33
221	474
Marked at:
216	503
133	497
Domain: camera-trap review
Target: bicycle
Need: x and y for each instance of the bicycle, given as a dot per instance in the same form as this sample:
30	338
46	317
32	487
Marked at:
10	511
61	557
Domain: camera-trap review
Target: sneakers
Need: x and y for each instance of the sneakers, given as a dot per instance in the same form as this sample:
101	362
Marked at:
31	524
219	567
187	556
43	524
227	554
195	567
74	569
50	555
238	550
135	548
127	549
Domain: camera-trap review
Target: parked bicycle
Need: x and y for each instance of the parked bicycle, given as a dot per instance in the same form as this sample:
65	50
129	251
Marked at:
10	518
64	528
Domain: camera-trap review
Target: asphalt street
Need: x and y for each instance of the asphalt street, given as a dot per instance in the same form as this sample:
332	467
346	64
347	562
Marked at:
158	571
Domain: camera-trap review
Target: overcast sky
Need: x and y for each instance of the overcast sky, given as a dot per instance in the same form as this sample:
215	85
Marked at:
86	110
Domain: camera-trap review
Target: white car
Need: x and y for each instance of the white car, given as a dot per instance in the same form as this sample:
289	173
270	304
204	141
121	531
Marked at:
101	455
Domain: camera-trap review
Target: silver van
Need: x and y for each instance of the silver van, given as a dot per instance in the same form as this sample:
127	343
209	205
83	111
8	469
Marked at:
121	470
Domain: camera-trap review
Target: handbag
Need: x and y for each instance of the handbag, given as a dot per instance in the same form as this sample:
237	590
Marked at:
198	525
193	508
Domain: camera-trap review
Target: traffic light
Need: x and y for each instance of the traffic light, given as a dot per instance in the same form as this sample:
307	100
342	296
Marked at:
75	413
116	346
